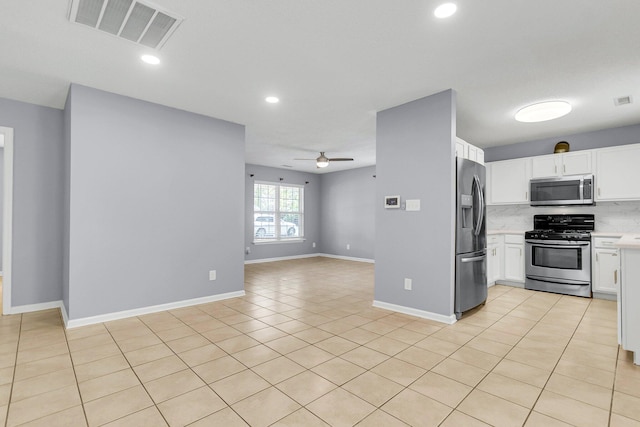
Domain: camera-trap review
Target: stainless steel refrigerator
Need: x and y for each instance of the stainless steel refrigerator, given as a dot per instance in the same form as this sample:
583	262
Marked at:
471	237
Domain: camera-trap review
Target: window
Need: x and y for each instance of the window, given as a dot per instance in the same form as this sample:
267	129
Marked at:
277	211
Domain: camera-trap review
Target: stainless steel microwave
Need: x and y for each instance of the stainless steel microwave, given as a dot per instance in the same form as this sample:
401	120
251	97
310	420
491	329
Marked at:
562	191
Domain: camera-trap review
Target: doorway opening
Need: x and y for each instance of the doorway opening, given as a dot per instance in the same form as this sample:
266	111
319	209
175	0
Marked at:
6	163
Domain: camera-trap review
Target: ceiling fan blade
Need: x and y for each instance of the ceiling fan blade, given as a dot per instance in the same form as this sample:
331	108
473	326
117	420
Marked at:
305	159
341	159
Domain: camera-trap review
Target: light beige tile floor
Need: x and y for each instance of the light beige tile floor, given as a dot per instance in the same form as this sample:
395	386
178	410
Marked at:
305	347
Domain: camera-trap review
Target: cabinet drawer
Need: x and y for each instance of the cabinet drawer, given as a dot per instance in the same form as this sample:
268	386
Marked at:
514	238
605	242
493	240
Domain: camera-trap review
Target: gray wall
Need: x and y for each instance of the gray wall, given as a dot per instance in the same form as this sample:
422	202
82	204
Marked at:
311	212
37	201
1	203
347	213
415	159
155	197
580	141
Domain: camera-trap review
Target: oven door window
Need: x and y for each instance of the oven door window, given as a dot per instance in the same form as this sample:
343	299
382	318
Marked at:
555	191
553	257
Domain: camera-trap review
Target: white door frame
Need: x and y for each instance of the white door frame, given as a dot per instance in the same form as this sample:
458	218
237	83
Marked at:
7	224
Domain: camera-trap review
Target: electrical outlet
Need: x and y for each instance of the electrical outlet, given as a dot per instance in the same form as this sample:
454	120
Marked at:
212	275
348	246
313	245
407	284
247	250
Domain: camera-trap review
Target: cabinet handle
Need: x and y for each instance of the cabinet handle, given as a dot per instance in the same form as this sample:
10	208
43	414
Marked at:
555	169
615	277
614	254
598	191
564	168
526	195
596	257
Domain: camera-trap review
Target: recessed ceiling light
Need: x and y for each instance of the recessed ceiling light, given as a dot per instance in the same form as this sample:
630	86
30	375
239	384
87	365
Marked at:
150	59
272	99
445	10
543	111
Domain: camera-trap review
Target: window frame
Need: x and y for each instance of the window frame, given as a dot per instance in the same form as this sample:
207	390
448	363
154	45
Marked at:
277	215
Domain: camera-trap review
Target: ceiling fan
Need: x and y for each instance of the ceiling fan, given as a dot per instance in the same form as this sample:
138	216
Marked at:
322	161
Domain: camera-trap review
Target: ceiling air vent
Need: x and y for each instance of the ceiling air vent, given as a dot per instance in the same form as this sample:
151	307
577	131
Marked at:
623	100
137	21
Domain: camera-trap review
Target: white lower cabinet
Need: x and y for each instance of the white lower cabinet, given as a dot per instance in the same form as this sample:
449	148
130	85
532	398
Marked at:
505	258
494	259
514	258
606	265
628	303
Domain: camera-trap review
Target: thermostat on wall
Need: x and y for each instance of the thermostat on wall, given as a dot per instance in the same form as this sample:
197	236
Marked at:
392	202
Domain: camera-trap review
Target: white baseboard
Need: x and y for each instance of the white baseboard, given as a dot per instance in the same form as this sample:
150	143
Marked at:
349	258
510	283
449	320
603	295
283	258
75	323
65	315
35	307
287	258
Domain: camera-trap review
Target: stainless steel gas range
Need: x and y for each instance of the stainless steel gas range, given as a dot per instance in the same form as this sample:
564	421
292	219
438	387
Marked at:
558	254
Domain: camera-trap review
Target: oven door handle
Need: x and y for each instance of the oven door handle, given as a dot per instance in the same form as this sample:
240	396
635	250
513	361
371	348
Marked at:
560	245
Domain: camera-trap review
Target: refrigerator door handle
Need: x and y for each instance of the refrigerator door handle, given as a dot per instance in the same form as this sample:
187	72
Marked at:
474	259
478	187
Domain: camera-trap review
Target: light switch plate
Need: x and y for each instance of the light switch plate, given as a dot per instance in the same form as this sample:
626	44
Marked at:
413	205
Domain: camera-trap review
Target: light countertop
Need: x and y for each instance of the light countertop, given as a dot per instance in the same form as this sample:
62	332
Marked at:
605	234
493	232
629	241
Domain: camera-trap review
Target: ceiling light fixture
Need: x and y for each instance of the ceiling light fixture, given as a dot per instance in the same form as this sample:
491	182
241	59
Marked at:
272	99
322	161
150	59
543	111
445	10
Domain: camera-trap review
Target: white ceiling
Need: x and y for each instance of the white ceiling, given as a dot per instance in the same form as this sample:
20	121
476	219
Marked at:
335	63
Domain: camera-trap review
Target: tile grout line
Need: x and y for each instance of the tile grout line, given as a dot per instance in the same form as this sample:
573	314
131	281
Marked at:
73	366
504	357
13	376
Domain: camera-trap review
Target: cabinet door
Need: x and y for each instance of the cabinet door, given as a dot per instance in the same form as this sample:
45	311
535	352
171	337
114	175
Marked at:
514	262
461	150
606	274
480	156
490	265
617	173
509	181
546	166
473	152
576	163
493	264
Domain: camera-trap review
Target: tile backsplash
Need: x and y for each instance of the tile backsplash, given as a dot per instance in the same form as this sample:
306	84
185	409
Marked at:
623	217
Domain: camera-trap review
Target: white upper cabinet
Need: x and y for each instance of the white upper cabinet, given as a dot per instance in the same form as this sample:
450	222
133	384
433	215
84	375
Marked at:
561	164
469	151
508	181
618	173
